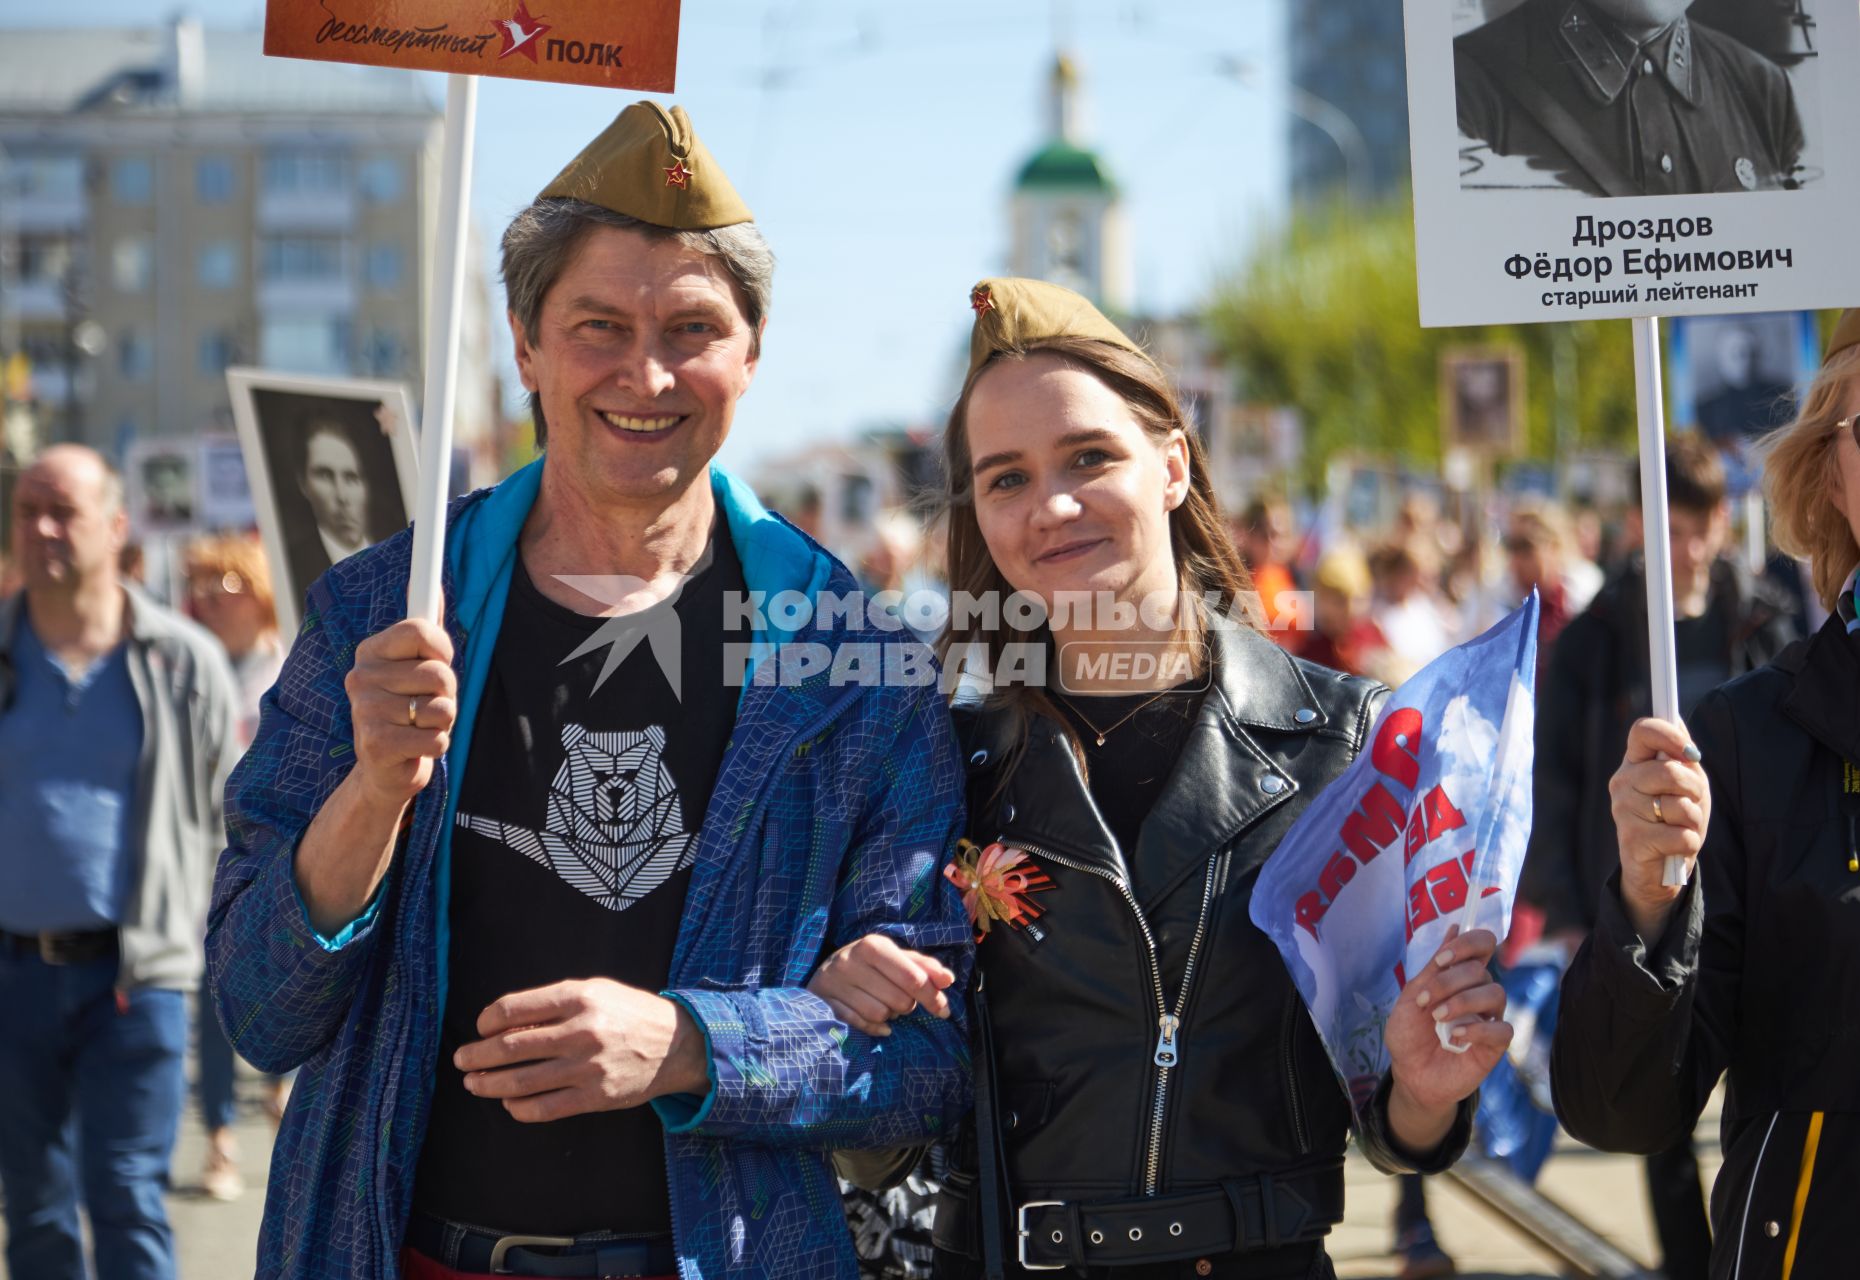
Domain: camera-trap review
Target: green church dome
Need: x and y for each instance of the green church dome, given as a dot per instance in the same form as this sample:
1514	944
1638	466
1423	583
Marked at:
1060	165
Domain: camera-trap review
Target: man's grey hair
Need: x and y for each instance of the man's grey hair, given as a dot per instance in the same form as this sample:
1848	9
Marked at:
542	239
110	489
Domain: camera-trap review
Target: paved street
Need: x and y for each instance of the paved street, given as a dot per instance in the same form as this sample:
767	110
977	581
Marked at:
1605	1191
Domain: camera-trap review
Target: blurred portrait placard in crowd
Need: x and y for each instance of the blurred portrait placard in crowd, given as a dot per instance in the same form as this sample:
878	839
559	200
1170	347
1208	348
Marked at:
1735	378
331	463
160	484
1482	399
225	492
1597	158
1251	446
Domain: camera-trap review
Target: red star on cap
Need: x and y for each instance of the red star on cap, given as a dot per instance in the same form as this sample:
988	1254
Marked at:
520	33
678	175
981	300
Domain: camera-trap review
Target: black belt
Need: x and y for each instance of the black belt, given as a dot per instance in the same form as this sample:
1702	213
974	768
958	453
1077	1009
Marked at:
1264	1212
597	1254
76	947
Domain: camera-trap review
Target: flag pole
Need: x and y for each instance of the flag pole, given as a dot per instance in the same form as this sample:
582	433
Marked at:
444	311
1663	668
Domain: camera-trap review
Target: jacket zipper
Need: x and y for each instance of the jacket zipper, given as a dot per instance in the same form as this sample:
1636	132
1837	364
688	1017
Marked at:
1168	1053
1286	1034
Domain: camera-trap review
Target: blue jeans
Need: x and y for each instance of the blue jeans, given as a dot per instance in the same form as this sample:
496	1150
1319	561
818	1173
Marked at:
90	1092
215	1055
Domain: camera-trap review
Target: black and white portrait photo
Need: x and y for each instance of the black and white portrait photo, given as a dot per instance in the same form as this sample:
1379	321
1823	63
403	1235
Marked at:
1482	398
1637	97
331	464
1735	378
160	481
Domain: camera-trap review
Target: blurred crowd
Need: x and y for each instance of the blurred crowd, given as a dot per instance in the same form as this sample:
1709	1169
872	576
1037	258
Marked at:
1379	602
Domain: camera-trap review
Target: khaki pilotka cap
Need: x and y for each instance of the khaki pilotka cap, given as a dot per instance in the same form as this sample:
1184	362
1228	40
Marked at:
1846	334
1013	312
650	165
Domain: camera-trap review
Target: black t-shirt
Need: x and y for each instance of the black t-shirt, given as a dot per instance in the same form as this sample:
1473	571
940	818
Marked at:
577	825
1127	774
1702	653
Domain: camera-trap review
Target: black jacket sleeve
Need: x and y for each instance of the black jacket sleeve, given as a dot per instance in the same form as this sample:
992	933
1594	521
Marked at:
1552	878
1378	1140
1644	1032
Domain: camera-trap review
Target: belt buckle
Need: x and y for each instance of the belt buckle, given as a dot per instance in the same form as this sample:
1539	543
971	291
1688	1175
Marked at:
506	1243
49	950
1024	1234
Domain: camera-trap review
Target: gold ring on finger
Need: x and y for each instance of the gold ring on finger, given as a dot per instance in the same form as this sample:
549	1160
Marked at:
413	710
1657	815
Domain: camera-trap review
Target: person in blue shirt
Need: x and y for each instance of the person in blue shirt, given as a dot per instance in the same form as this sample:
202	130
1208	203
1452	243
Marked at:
117	720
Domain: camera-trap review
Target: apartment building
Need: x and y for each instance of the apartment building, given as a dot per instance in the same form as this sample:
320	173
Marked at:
173	202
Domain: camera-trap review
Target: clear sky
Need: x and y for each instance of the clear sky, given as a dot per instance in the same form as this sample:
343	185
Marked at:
876	143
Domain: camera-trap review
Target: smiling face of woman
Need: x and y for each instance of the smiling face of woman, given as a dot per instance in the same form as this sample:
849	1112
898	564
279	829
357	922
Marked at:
1071	492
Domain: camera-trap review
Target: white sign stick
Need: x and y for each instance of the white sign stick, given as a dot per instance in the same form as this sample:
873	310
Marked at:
442	350
1663	667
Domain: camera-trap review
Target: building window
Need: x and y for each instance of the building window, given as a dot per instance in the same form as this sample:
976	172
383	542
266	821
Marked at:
132	180
380	180
216	352
283	258
305	172
45	259
132	262
135	355
213	180
45	350
383	353
48	177
217	267
382	268
305	343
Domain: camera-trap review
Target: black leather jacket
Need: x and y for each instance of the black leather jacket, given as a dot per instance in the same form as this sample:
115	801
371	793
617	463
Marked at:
1756	975
1086	1007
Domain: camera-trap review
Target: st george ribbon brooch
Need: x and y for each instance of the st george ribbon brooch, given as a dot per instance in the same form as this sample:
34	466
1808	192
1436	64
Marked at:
997	883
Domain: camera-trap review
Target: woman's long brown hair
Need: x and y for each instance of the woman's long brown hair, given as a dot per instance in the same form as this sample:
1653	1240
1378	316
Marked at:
1205	560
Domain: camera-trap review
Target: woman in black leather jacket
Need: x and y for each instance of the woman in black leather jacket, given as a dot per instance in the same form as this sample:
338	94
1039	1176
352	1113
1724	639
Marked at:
1152	1097
1753	968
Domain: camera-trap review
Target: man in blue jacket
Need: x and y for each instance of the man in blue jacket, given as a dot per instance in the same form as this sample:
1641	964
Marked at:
496	886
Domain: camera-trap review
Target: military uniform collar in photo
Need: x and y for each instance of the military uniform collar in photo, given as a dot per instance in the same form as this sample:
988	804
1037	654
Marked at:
649	164
1846	334
1690	111
1012	313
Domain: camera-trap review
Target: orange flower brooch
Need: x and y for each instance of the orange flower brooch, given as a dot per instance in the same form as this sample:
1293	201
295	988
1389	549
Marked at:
997	883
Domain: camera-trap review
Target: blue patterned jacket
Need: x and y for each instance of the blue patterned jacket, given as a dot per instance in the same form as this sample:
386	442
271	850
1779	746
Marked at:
833	813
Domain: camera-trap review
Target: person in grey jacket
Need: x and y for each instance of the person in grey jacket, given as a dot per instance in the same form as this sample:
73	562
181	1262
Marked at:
117	719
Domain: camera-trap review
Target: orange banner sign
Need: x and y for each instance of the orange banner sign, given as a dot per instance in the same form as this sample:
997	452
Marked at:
631	44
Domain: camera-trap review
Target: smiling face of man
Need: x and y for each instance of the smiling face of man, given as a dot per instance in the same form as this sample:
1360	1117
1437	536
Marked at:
642	350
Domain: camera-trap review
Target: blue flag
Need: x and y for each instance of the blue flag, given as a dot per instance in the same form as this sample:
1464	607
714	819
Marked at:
1426	829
